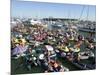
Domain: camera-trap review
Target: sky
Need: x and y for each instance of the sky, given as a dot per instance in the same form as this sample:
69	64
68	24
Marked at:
57	10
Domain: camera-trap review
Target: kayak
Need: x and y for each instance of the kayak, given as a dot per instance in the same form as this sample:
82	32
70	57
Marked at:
85	54
75	49
65	49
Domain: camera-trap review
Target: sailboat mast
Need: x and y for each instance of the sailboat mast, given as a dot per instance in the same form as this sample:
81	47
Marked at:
81	13
87	13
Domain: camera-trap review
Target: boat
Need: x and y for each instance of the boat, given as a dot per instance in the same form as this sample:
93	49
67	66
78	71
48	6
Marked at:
81	55
75	49
87	30
86	55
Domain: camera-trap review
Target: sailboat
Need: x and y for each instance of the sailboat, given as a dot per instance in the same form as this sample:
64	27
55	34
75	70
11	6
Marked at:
87	26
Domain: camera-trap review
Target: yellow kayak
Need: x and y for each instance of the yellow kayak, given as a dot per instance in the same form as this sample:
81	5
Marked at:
50	42
16	41
75	49
23	40
71	38
65	49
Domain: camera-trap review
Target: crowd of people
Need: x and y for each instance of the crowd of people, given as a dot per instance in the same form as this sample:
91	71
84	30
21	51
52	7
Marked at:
24	44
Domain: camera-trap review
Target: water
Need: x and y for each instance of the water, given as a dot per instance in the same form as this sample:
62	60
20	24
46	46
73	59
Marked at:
23	69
